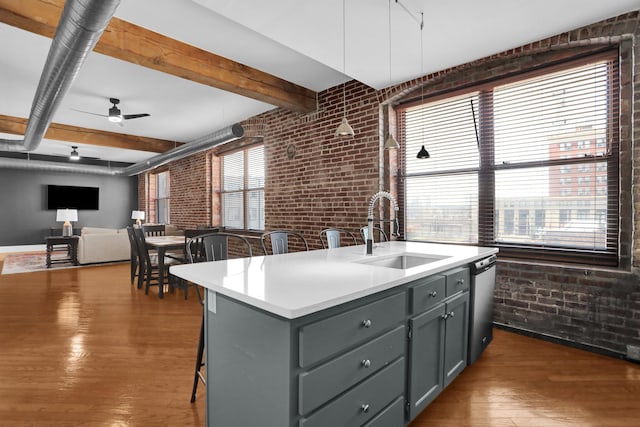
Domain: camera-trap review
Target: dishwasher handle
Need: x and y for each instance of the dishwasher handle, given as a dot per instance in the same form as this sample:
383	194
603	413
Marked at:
483	264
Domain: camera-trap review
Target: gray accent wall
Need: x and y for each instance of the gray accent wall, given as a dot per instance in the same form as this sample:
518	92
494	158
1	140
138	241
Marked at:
25	220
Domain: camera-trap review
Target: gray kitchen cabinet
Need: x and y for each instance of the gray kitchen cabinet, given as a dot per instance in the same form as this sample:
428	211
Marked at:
374	361
342	366
456	336
426	358
438	336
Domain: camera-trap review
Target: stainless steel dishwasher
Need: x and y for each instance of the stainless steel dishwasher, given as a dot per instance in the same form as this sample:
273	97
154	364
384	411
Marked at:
483	281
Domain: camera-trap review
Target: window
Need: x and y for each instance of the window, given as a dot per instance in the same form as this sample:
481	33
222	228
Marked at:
508	221
157	191
534	132
243	189
162	199
523	222
443	192
540	220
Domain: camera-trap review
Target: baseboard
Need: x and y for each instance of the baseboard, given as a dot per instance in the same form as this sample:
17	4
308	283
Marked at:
563	341
23	248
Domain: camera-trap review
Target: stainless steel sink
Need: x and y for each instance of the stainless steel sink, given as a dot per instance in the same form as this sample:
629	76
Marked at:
402	261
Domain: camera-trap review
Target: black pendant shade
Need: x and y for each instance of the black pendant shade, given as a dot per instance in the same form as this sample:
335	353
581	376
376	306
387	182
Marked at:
423	153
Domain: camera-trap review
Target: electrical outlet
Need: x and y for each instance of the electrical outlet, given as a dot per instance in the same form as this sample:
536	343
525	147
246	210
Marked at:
633	352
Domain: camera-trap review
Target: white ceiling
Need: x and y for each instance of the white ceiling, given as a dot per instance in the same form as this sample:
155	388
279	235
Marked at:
299	41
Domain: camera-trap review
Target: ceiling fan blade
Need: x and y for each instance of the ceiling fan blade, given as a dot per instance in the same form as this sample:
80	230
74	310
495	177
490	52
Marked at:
88	112
135	116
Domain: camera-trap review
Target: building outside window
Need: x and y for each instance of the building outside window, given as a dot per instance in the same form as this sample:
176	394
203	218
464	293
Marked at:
544	139
243	189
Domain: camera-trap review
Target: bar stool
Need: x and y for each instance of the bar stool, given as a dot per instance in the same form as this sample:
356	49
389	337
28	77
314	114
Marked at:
279	241
331	237
211	247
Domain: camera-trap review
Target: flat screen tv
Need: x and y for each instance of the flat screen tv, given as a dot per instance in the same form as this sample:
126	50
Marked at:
72	197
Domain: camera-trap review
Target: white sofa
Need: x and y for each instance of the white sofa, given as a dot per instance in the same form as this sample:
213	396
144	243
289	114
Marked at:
103	245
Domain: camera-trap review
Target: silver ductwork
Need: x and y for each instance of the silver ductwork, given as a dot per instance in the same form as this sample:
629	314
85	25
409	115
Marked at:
10	163
81	25
227	134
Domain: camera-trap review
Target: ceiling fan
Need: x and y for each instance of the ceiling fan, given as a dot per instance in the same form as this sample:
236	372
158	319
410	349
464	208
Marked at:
75	155
115	115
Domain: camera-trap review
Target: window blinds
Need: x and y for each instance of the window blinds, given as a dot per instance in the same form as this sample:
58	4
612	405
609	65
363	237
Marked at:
543	176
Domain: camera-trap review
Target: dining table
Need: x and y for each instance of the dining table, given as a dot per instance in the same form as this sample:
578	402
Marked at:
163	244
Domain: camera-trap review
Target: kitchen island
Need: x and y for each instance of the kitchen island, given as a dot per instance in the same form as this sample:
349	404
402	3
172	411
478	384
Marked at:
334	337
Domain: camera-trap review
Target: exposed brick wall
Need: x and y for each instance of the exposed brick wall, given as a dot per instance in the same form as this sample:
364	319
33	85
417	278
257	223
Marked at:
190	191
330	181
589	306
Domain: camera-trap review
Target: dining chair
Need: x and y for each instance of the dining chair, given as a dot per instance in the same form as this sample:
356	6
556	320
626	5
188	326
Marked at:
278	241
135	255
212	247
149	265
154	229
331	237
382	236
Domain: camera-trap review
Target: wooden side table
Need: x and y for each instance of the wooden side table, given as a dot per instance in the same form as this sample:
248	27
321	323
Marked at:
68	244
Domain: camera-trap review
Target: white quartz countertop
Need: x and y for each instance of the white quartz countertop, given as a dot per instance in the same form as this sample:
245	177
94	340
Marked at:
297	284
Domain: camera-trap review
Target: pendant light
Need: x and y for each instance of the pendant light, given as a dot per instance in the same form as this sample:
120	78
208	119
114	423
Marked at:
423	153
344	129
391	143
74	153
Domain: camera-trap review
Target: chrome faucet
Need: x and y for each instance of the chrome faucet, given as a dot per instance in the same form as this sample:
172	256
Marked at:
396	226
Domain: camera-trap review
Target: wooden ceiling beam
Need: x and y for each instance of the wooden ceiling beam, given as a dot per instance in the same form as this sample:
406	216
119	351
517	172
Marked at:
60	132
129	42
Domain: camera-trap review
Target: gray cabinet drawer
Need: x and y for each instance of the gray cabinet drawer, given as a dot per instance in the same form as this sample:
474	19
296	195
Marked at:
332	378
329	336
391	416
426	293
457	280
363	402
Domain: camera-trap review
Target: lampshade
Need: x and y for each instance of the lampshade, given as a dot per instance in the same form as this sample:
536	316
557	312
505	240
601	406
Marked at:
63	215
137	214
423	153
114	114
391	143
74	153
344	129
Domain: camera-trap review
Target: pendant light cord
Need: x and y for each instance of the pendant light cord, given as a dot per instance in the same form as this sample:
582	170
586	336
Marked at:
344	56
422	69
389	43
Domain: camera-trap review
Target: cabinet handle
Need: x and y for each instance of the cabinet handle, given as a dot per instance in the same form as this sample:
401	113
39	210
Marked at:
366	323
460	281
452	314
366	363
365	407
433	294
444	316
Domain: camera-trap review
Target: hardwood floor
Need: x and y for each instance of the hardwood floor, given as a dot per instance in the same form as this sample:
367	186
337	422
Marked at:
84	347
525	382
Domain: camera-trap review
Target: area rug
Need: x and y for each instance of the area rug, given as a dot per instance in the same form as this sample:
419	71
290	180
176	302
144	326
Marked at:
31	261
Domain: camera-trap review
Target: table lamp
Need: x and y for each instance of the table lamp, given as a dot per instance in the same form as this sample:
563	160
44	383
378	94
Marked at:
138	216
66	216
